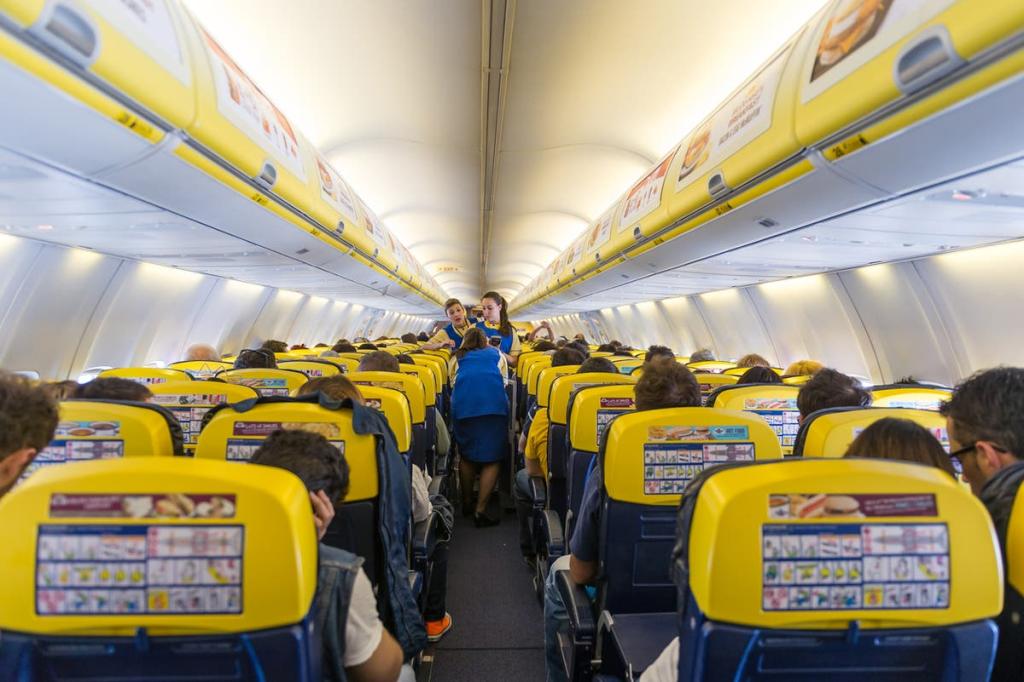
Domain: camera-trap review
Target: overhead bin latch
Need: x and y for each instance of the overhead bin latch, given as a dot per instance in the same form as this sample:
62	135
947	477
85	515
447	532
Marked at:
716	185
925	58
340	229
267	176
637	234
68	31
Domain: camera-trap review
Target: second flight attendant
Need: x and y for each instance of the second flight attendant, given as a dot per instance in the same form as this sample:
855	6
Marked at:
459	323
496	325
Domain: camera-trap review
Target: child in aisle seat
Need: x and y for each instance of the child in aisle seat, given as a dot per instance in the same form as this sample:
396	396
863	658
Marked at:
359	648
534	447
113	388
28	419
665	383
437	620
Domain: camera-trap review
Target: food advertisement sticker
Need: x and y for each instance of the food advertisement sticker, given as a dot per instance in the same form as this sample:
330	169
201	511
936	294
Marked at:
831	505
333	189
149	26
241	102
744	117
857	31
645	196
835	567
601	231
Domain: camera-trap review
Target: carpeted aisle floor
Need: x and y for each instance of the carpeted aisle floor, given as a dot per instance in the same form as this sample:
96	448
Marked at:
498	634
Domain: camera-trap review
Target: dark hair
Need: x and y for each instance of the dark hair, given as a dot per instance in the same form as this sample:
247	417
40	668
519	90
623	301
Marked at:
256	358
299	346
583	348
408	337
450	302
504	326
567	356
606	348
367	346
473	339
989	406
404	359
598	365
378	361
543	346
900	439
751	360
275	346
702	355
60	390
658	351
579	336
336	387
831	388
422	336
113	388
310	456
760	375
28	416
623	352
667	384
344	347
908	381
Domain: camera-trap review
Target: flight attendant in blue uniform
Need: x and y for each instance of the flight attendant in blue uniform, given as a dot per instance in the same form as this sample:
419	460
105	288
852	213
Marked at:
496	325
459	323
480	417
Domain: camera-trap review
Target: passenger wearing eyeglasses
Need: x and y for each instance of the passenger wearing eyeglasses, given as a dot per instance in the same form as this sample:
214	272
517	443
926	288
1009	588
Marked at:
985	420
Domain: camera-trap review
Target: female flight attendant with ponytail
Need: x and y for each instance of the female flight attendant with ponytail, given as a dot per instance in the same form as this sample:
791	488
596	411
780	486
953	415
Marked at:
497	326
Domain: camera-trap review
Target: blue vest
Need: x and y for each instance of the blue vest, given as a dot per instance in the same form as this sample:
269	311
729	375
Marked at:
506	341
479	387
454	335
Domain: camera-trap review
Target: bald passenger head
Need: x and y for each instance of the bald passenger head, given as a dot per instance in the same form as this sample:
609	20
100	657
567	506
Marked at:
203	352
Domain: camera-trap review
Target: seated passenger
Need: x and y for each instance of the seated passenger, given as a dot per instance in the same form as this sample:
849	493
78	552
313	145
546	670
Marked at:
830	388
655	352
404	359
379	361
985	418
580	347
438	620
581	338
759	375
60	390
544	346
534	447
803	368
663	384
28	419
422	337
256	358
606	348
543	328
900	439
299	346
343	347
202	352
367	346
702	355
750	360
408	338
113	388
275	346
359	648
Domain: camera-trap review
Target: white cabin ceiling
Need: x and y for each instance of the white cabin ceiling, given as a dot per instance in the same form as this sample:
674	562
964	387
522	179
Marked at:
396	94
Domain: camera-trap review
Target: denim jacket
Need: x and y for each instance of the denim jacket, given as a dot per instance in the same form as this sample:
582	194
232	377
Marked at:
400	611
336	577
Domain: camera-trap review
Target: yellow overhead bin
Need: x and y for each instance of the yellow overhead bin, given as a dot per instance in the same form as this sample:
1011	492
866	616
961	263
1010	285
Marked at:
137	48
867	54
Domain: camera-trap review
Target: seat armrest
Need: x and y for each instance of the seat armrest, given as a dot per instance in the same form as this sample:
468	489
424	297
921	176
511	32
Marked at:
578	606
539	491
424	536
435	485
554	538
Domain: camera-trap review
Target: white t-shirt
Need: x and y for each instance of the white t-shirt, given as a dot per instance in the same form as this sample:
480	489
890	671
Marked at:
363	628
421	506
666	667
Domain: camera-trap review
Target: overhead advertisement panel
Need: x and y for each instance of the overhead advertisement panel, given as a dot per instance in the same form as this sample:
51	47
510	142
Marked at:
334	190
241	102
742	119
645	196
858	31
151	29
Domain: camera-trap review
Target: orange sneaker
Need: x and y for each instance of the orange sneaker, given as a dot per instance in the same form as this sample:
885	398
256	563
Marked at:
436	629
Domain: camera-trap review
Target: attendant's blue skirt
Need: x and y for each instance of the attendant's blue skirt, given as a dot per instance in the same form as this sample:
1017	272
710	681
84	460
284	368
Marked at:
482	440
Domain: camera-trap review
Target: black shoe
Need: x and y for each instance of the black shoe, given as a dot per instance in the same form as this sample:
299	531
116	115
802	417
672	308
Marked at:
482	520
